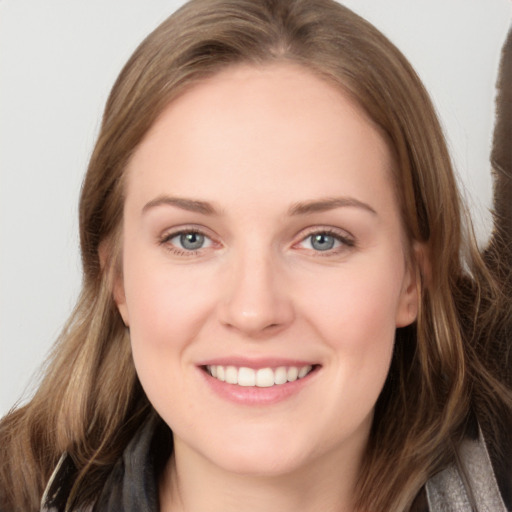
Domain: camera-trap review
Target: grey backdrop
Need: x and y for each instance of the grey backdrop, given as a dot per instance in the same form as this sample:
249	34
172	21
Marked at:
58	59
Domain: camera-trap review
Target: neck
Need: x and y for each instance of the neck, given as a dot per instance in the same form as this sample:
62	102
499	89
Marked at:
191	483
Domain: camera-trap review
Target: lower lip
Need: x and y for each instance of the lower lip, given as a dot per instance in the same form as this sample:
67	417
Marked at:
253	395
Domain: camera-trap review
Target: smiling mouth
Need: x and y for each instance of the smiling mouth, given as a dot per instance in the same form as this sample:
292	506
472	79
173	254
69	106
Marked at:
261	378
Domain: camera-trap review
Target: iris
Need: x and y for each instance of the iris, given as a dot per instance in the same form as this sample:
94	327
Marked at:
322	241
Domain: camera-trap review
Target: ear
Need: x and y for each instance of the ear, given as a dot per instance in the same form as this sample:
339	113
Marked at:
118	294
410	295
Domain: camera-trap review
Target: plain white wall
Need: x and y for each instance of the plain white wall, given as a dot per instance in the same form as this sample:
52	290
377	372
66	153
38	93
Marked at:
58	60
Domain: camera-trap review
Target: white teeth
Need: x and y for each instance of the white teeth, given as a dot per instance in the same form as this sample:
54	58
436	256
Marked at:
246	377
262	378
304	371
231	375
265	378
280	375
293	373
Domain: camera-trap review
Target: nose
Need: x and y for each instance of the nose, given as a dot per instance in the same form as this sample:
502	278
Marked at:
257	301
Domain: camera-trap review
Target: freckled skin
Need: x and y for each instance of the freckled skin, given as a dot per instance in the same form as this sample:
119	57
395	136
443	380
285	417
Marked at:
253	142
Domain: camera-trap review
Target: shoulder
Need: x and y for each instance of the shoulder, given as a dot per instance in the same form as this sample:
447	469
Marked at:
475	481
131	483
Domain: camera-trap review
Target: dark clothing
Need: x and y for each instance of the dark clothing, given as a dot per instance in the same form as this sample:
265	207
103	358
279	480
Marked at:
133	483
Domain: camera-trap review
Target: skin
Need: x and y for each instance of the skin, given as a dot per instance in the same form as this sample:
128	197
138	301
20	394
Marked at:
254	143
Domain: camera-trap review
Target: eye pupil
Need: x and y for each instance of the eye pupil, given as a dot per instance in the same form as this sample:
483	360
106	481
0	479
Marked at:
191	241
322	242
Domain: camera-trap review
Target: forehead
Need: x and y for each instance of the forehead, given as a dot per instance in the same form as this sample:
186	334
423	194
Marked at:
277	123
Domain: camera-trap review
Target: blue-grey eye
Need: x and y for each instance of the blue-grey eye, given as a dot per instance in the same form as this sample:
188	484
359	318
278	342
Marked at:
322	241
192	241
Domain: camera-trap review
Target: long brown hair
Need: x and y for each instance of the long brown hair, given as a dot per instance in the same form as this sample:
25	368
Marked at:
90	401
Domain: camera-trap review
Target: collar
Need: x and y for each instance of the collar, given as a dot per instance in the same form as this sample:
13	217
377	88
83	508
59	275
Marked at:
455	490
132	484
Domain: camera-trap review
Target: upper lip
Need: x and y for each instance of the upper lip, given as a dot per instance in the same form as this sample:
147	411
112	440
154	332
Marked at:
257	363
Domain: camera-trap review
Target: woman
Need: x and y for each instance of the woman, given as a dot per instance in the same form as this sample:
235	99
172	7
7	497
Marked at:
282	307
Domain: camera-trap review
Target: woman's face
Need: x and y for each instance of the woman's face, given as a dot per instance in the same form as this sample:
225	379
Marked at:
263	245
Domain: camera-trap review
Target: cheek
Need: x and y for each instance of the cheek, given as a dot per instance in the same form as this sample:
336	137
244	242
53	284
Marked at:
162	298
361	332
356	305
354	313
168	307
165	317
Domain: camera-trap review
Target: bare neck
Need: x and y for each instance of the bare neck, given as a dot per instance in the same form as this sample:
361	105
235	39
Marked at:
191	483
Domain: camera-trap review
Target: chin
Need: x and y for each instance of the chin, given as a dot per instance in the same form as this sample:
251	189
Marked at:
262	452
259	462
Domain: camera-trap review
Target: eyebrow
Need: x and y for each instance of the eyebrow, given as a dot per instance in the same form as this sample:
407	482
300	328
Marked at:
300	208
191	205
330	203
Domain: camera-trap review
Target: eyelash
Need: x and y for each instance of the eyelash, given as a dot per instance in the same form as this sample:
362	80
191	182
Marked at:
165	242
346	242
